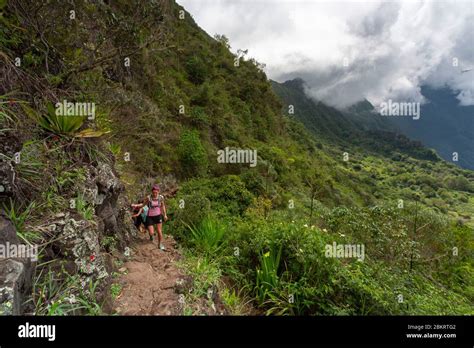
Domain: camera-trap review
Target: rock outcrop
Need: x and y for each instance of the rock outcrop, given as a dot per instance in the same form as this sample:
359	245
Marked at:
76	239
16	274
9	146
80	240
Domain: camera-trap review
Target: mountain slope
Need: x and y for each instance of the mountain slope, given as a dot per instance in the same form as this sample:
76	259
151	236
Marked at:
325	120
358	125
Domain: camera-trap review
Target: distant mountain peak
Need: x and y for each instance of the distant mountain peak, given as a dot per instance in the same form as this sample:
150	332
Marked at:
363	105
297	83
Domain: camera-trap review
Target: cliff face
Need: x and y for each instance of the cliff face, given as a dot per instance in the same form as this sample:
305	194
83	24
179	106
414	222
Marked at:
63	235
15	275
59	193
60	189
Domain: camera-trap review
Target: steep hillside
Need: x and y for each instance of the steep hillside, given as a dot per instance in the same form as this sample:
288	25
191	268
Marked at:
167	98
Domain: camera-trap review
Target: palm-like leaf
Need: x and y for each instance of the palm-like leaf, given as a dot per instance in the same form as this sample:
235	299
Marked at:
57	124
267	275
208	235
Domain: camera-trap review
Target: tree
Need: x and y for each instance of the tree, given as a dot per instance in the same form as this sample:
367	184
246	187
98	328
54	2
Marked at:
318	186
222	39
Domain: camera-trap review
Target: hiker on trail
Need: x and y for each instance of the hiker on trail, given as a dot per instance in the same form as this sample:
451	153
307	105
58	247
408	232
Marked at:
139	216
156	213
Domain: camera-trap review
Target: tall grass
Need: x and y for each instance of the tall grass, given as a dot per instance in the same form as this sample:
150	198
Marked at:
31	167
62	294
19	218
7	116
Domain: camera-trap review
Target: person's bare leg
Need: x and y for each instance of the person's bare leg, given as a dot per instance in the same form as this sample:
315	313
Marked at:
150	231
160	234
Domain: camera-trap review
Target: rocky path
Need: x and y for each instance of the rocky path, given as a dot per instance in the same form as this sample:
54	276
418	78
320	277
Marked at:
149	279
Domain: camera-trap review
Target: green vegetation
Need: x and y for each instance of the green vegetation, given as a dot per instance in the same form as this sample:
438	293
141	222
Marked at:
86	210
267	275
115	290
19	217
208	235
254	236
61	124
63	294
191	154
207	280
283	266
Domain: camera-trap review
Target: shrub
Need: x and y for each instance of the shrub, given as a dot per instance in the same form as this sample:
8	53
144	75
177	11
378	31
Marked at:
192	155
227	194
459	183
189	209
199	117
196	69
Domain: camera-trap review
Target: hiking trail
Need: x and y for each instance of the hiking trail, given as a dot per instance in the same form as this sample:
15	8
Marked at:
149	279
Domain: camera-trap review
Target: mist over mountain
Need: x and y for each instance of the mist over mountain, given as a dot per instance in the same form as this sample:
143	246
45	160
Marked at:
444	125
357	126
348	51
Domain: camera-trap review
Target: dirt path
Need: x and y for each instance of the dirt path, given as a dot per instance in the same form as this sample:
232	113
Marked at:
148	283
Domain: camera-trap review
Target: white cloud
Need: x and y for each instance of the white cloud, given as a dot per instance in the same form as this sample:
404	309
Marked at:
392	48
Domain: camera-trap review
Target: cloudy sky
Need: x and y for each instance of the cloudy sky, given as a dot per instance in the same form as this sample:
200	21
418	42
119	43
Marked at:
350	50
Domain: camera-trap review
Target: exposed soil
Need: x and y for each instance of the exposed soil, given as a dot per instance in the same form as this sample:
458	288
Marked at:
149	279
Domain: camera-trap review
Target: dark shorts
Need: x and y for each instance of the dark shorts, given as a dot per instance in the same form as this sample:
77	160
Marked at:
153	220
138	221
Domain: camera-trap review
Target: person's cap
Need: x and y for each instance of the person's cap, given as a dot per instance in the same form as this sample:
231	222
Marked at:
155	187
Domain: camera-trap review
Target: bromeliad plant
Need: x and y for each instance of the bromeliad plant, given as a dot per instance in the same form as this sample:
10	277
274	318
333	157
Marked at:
208	235
61	124
57	124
